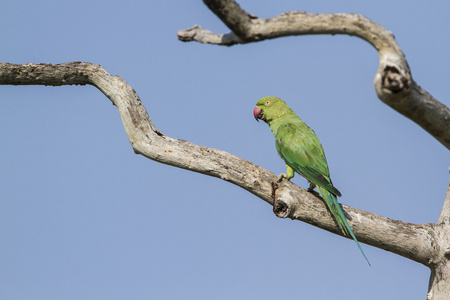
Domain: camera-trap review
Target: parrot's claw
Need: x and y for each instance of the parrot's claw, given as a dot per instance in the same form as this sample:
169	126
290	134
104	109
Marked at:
311	188
282	176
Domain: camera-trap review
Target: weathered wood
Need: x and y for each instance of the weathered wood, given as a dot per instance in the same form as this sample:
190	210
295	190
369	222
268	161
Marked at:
406	239
395	86
428	244
393	81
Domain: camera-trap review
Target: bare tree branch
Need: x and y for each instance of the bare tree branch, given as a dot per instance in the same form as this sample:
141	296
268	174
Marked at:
413	241
439	287
427	244
207	37
395	86
393	81
444	217
232	15
406	239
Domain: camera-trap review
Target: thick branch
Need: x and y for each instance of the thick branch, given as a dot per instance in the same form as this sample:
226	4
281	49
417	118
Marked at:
142	134
232	15
444	217
439	285
393	81
406	239
409	240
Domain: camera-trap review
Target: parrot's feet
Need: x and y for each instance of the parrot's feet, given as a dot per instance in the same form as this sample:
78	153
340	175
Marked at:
283	175
289	174
311	188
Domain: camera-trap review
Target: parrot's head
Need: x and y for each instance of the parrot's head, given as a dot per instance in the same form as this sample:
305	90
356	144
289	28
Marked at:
269	109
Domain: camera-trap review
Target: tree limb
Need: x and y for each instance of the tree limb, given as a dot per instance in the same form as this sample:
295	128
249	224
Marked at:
444	217
406	239
439	285
393	81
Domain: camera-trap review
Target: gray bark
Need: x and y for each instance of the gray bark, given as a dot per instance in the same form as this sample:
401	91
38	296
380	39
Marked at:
427	244
414	241
439	286
393	81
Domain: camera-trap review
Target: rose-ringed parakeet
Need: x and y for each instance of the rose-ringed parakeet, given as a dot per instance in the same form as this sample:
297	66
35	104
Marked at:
299	147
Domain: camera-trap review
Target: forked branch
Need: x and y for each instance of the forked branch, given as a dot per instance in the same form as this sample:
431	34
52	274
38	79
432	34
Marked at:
393	81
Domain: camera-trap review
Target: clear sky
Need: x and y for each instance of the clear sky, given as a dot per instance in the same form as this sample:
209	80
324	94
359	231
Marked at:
83	217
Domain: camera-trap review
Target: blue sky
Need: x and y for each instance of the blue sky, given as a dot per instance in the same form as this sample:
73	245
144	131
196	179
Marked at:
83	217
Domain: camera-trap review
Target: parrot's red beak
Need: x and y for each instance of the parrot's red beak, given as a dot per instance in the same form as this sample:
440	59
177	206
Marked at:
258	113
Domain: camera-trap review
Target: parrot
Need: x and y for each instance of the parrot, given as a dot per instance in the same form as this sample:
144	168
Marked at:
301	150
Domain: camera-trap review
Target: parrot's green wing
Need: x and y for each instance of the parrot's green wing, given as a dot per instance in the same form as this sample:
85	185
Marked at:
300	148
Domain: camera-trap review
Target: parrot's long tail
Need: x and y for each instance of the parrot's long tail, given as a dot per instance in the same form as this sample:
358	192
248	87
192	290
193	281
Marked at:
339	216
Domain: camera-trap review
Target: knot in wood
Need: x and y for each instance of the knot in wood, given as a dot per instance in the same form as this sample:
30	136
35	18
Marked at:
281	209
282	201
395	80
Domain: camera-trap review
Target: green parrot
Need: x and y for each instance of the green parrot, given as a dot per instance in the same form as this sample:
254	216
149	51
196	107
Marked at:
299	147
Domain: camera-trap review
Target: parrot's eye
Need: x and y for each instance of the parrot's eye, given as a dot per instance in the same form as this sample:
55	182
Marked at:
267	103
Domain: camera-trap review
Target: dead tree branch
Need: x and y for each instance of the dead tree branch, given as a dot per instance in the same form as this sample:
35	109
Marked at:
290	201
393	81
394	85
